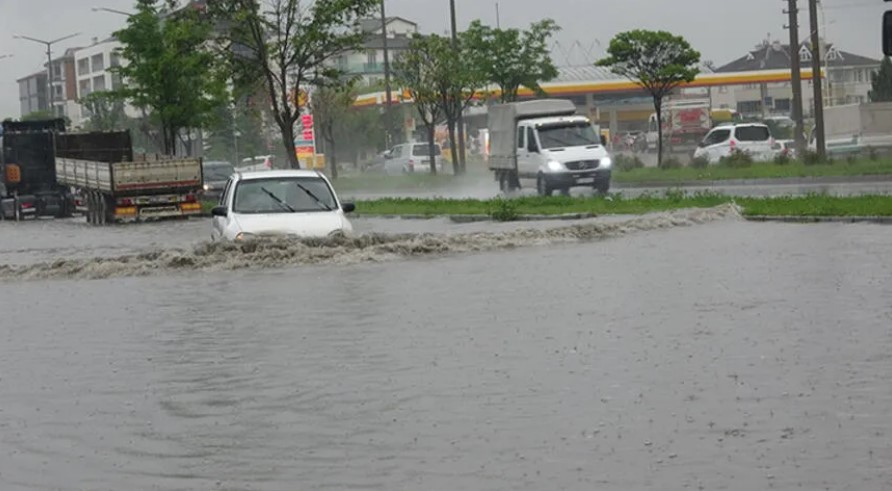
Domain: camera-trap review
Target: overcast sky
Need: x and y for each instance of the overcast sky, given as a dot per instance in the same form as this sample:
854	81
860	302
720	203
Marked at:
721	29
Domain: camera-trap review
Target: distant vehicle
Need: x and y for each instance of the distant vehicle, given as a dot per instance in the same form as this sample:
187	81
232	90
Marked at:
546	143
856	128
216	174
722	141
297	203
786	148
258	163
28	173
781	121
685	122
407	158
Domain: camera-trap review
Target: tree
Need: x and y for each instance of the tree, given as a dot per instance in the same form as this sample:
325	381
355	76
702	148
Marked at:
657	61
418	70
331	105
881	82
105	110
236	133
289	46
510	58
170	73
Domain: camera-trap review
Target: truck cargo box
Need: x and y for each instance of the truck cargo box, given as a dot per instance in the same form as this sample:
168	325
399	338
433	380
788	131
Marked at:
502	124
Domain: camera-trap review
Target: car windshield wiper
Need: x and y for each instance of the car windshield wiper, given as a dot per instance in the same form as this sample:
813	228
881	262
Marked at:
315	198
278	200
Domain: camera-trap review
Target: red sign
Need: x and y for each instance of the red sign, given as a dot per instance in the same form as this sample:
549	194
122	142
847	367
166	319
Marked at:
307	121
308	135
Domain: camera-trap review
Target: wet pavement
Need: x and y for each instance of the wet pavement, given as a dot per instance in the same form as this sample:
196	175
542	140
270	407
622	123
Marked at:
721	355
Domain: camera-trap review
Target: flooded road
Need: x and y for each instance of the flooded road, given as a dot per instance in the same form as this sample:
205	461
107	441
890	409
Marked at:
719	355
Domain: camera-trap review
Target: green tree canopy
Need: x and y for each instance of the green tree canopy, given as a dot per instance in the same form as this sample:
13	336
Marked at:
170	72
105	111
881	82
658	61
331	106
511	58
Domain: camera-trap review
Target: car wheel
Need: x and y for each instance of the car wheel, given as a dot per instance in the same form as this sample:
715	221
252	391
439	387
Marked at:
542	187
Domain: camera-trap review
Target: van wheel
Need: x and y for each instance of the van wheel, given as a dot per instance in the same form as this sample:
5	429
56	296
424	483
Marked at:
503	181
542	187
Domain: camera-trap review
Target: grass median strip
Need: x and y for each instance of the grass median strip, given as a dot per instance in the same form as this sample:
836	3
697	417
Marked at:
755	171
508	209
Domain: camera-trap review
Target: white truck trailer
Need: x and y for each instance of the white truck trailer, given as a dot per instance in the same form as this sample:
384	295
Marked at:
546	143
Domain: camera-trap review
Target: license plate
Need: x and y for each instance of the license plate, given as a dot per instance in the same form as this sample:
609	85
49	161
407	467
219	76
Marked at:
586	180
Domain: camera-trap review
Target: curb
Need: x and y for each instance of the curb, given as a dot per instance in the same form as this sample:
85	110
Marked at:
878	178
820	219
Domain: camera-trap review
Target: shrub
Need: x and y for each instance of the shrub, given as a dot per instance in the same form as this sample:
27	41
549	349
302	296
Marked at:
699	162
627	162
810	157
502	210
782	159
738	160
873	154
671	163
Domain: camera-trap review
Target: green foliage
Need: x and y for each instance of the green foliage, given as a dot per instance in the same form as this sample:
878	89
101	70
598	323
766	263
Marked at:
287	45
881	82
38	116
658	61
169	71
511	58
810	157
419	70
502	210
782	159
225	144
738	160
670	162
699	162
105	110
626	163
331	105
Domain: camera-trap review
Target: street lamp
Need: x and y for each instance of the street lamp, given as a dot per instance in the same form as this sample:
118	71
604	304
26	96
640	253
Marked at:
111	11
49	61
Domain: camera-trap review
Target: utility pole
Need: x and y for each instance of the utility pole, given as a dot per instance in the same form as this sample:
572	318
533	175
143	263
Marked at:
387	89
498	20
816	78
460	158
796	77
49	63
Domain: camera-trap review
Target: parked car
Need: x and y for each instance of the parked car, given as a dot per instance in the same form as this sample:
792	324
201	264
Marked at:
722	141
297	203
411	157
786	148
258	163
216	174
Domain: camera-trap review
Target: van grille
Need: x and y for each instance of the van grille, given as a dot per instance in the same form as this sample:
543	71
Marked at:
583	164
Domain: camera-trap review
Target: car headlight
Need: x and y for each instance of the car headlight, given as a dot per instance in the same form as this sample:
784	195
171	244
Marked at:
555	166
244	236
607	162
207	187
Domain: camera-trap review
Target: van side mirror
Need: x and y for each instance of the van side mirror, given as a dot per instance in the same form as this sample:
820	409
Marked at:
887	33
603	140
218	211
348	207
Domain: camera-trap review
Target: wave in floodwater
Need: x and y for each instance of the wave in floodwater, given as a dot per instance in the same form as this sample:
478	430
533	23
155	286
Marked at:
271	253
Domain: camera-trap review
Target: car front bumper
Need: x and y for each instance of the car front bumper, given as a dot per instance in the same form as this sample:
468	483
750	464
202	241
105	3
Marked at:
598	178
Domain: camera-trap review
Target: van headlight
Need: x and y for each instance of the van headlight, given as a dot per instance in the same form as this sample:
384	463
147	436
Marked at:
555	166
606	162
242	236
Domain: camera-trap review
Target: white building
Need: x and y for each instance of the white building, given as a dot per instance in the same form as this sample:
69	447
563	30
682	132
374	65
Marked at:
848	80
93	67
368	63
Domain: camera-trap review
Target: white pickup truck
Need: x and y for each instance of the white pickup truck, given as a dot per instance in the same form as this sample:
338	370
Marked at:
545	142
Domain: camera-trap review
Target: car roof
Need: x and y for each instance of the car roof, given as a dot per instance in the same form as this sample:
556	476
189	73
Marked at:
739	125
274	174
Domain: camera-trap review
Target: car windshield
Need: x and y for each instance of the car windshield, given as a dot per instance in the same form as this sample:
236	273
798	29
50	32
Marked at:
567	135
283	195
218	171
752	133
422	150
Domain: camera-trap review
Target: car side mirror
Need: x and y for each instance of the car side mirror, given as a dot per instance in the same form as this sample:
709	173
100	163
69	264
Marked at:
701	144
887	33
603	140
348	207
219	211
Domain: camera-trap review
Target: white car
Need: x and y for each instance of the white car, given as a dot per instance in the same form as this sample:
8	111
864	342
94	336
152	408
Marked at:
296	203
407	158
722	141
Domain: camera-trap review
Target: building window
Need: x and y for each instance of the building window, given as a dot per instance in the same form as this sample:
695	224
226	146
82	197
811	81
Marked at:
372	59
749	107
98	63
57	91
114	59
83	88
57	71
98	83
83	66
116	82
782	105
723	89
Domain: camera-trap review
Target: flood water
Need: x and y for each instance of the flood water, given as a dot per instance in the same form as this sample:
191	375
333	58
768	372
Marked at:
719	355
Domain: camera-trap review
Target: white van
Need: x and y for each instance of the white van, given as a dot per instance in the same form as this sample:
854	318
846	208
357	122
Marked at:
409	158
722	141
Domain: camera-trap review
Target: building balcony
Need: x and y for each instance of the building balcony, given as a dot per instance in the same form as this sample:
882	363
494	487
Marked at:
363	68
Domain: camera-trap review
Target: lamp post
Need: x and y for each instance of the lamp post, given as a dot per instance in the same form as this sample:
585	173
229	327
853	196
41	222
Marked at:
49	62
111	11
460	123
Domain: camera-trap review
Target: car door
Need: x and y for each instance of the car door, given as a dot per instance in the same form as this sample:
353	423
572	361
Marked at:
718	144
219	223
527	152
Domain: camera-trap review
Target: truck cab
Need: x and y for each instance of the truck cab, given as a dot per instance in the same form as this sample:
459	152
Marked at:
546	144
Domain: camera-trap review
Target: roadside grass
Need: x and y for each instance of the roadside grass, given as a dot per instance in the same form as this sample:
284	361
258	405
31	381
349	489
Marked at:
811	205
760	170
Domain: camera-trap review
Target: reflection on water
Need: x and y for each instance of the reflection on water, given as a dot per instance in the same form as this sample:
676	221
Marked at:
722	356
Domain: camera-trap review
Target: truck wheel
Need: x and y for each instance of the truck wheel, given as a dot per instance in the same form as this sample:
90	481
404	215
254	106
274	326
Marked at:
101	210
542	186
513	181
503	181
108	206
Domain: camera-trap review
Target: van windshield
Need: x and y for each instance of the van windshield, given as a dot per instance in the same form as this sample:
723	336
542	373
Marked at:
422	150
567	135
